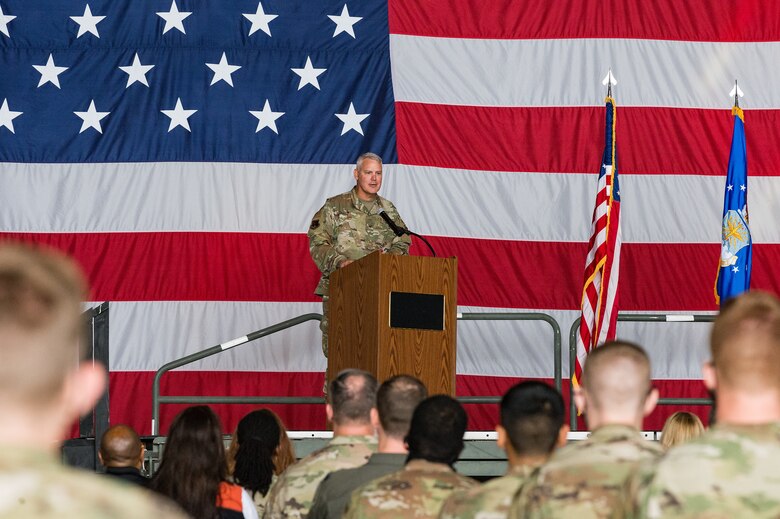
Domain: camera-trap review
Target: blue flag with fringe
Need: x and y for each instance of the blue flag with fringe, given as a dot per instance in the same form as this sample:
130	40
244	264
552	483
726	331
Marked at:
736	243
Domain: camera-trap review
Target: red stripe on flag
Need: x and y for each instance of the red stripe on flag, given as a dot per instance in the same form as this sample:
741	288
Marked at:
692	20
493	273
652	140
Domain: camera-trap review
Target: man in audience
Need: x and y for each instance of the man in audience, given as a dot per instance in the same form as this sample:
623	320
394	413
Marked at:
43	388
352	398
122	453
531	428
395	402
435	441
732	469
585	479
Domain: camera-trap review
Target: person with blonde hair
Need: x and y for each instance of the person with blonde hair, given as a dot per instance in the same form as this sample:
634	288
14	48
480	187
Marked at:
679	428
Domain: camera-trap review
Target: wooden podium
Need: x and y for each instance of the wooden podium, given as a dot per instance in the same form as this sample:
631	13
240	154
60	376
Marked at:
392	315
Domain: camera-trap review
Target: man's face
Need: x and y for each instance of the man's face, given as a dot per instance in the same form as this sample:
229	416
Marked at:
369	179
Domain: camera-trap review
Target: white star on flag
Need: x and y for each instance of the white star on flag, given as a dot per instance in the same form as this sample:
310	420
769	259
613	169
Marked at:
136	71
743	187
7	116
260	20
222	71
351	120
50	72
87	22
735	269
179	116
4	20
309	74
730	187
344	22
267	118
173	18
91	118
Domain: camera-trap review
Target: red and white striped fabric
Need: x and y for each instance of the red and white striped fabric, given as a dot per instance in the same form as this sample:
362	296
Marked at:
598	322
498	122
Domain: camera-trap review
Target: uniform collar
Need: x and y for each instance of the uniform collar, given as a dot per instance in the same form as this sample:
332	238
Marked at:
428	466
363	205
343	440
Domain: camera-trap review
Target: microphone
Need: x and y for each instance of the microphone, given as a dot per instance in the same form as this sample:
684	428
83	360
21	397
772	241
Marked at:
399	231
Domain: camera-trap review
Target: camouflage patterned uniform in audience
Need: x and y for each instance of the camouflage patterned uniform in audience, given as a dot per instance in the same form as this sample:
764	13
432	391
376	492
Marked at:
730	471
34	483
586	478
490	500
293	492
348	228
417	491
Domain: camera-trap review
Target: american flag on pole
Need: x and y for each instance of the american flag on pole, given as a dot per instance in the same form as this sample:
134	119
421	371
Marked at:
602	266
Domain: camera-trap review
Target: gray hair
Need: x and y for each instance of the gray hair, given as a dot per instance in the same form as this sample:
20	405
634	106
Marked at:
367	155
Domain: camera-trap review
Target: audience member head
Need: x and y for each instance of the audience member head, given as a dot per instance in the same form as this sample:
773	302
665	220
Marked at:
616	387
193	462
260	449
352	396
396	400
120	446
745	344
679	428
43	388
532	421
436	431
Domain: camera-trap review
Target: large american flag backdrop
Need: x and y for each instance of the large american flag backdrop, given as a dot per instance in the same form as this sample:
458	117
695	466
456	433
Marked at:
178	150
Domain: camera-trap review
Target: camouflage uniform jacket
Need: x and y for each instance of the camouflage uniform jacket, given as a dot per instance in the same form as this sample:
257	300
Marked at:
418	490
346	227
490	500
730	471
586	478
34	484
292	494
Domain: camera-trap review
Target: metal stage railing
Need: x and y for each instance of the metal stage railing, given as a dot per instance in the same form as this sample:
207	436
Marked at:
157	399
652	318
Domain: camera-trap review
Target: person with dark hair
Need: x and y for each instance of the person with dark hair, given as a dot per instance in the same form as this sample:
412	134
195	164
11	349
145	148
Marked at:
45	385
532	426
193	470
352	396
396	400
585	479
257	454
122	453
435	441
731	470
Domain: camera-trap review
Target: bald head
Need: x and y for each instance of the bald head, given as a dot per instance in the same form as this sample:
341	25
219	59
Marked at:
121	447
745	344
616	380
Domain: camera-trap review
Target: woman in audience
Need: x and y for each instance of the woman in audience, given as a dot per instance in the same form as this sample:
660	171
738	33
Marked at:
681	427
260	451
193	471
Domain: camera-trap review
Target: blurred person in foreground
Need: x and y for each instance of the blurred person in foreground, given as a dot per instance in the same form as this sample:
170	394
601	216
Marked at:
418	490
679	428
259	451
122	453
732	469
396	401
585	478
531	427
352	397
193	470
44	388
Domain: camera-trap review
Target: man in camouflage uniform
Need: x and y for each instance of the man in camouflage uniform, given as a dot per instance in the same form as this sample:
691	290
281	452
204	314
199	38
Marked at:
349	227
352	398
585	479
733	470
531	428
43	389
435	441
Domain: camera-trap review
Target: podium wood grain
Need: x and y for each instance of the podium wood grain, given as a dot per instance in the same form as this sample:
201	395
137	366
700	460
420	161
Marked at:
360	335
